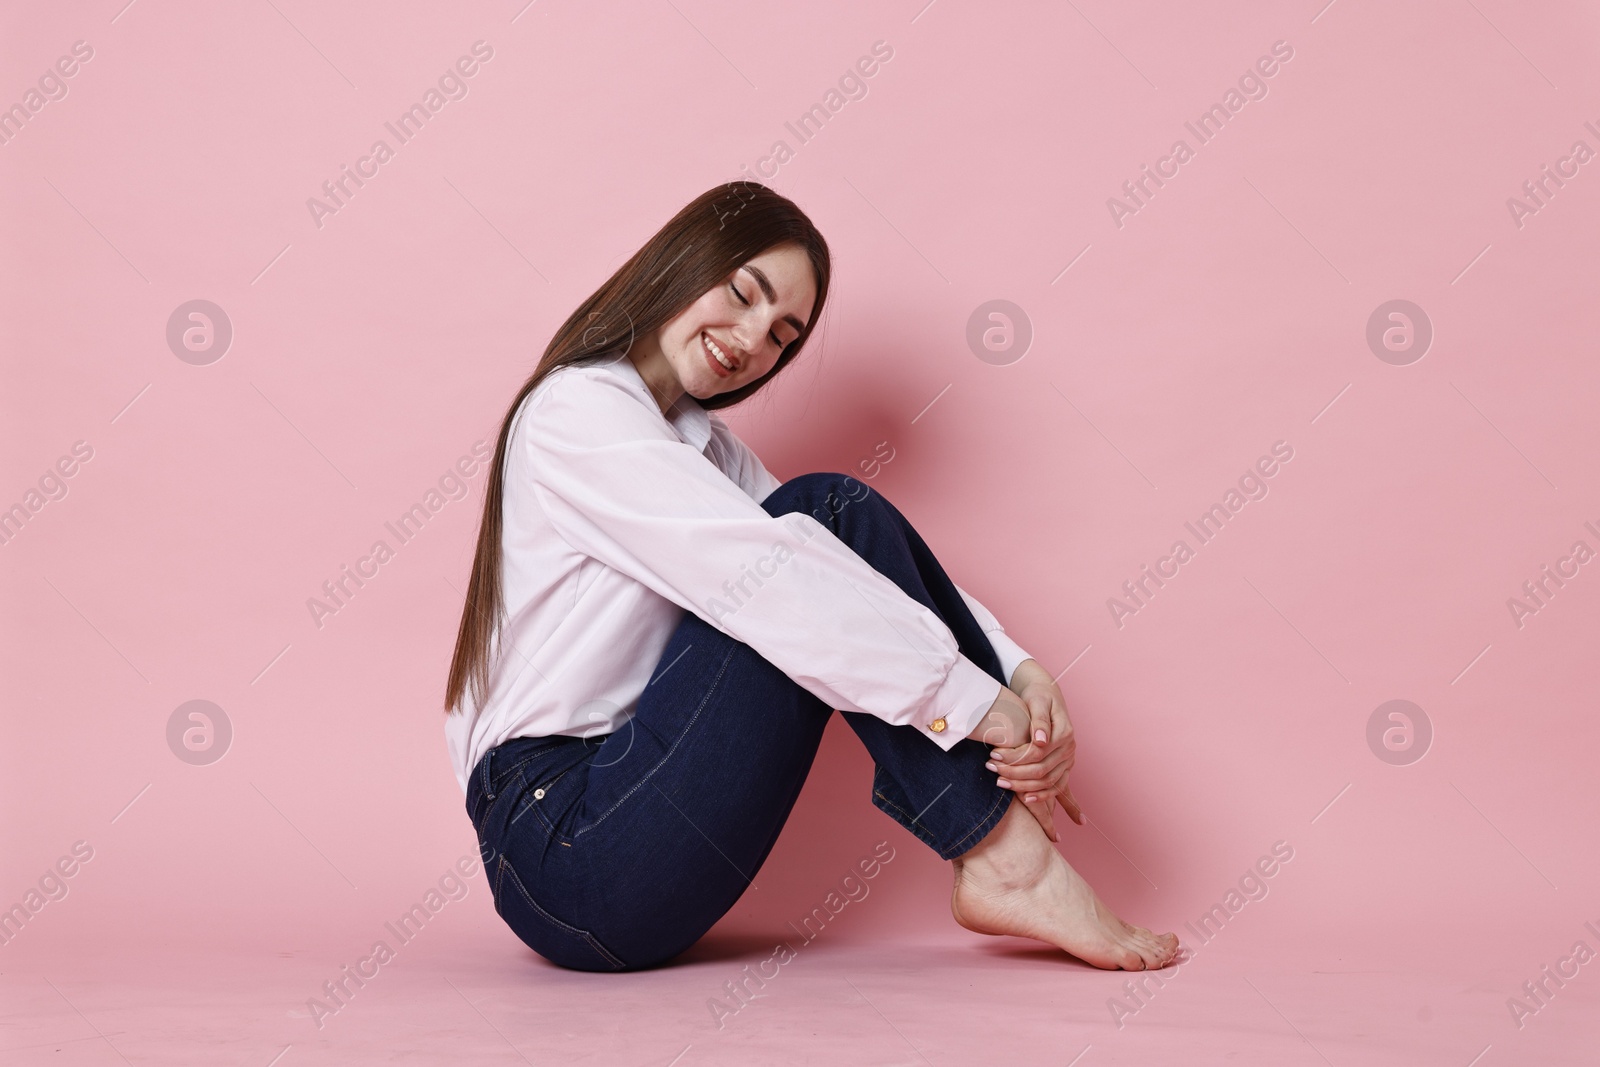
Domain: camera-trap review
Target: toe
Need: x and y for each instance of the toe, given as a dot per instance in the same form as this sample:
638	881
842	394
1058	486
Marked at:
1145	938
1155	950
1153	957
1135	954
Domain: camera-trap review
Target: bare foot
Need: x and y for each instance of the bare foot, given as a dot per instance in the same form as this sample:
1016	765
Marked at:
1015	882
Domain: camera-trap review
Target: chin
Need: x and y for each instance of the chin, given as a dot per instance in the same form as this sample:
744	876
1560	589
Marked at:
706	392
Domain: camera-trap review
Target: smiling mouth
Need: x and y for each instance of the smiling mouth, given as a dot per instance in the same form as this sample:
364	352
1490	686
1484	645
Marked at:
717	354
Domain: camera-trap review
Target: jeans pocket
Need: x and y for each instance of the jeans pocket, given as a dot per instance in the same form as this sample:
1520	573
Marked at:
559	942
552	808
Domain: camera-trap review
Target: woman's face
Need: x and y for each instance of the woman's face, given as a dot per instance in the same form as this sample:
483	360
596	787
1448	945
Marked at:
747	319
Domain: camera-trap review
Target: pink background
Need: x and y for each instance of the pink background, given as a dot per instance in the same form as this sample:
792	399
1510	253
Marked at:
1229	313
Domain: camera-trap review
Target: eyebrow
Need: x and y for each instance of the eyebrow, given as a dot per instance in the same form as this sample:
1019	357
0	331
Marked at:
772	295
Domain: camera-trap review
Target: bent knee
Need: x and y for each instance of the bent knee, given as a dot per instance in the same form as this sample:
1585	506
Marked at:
820	494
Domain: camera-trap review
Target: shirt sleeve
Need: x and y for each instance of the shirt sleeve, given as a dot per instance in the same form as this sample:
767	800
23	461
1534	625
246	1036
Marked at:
750	474
618	485
740	462
1010	653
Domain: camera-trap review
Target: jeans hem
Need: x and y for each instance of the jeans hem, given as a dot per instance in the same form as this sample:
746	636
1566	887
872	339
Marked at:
965	843
980	830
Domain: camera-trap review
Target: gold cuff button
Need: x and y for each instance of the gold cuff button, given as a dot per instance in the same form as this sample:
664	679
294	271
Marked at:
937	726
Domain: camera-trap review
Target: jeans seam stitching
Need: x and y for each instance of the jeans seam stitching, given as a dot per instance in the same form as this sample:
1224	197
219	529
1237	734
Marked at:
712	688
917	829
521	763
1002	798
565	927
495	786
534	803
913	825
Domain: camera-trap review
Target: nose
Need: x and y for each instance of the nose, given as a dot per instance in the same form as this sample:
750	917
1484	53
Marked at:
744	333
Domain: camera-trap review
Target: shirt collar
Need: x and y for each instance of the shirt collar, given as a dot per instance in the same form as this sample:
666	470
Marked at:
686	417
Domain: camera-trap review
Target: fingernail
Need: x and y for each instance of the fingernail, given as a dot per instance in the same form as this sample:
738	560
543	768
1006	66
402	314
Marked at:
1028	799
1039	735
997	756
991	766
1003	783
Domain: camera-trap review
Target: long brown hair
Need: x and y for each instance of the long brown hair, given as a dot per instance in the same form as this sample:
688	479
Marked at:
708	240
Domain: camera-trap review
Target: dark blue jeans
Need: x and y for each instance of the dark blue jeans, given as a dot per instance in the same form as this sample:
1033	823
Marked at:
617	852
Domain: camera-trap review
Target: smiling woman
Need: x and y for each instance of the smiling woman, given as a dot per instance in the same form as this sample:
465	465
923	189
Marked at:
735	333
619	507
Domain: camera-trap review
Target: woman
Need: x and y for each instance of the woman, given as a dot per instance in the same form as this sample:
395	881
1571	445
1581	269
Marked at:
635	556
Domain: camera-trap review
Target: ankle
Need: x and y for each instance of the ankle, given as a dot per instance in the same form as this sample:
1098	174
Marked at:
1014	855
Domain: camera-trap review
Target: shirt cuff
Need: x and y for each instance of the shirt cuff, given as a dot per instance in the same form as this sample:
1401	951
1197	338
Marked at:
1009	652
955	710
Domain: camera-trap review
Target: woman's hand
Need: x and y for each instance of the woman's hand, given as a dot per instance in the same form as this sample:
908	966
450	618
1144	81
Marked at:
1006	724
1037	769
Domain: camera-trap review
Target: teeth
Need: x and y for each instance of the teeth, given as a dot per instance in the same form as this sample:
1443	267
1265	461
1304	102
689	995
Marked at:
717	352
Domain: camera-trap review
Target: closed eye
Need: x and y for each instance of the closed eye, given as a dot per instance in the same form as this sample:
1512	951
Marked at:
746	303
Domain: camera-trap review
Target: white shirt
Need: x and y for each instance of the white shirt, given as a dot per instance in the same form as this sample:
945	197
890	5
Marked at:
617	518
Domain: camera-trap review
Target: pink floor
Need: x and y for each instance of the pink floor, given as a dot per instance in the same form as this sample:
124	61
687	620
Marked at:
476	998
1396	934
